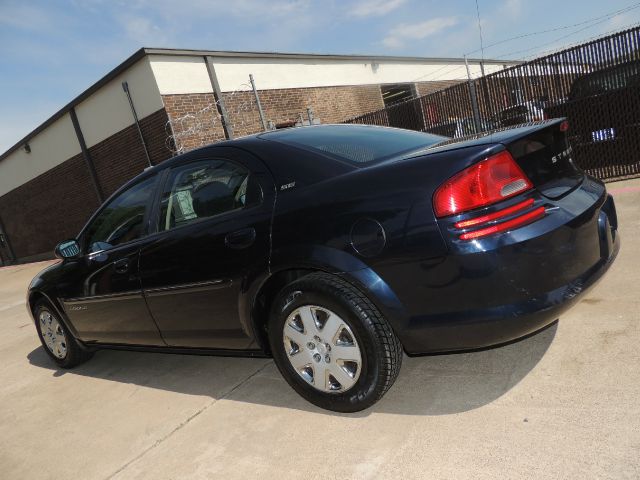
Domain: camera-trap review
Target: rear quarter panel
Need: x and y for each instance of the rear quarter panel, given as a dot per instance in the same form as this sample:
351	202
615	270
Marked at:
313	225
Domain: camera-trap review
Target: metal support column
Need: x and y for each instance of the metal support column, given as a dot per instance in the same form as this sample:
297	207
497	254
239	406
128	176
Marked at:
485	89
217	95
474	98
255	93
125	87
86	155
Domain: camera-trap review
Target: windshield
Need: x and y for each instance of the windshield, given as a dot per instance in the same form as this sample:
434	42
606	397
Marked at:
357	144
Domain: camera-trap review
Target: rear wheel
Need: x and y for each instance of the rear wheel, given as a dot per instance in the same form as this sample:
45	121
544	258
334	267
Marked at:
332	345
56	339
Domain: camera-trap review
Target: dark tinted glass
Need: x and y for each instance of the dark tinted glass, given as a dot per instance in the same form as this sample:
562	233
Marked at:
354	143
122	219
206	189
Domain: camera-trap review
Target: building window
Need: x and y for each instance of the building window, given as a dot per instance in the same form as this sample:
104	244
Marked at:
399	92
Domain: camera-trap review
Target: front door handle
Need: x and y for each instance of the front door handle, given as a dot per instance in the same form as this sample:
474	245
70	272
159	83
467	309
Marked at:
122	266
240	238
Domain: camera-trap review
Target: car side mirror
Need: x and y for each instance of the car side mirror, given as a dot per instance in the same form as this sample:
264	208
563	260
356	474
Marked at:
67	249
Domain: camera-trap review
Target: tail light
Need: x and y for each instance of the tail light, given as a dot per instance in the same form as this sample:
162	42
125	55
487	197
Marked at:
492	180
518	221
489	181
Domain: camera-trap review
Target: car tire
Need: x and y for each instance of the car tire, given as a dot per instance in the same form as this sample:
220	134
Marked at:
342	318
57	340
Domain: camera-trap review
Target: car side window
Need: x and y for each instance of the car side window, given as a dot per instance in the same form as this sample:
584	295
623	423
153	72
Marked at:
206	189
122	220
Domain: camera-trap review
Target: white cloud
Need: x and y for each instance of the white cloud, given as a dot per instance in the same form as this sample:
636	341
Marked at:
142	30
374	8
622	20
32	18
263	24
215	9
513	8
402	33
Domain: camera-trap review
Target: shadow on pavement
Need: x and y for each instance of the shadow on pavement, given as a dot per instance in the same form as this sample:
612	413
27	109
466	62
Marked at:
431	385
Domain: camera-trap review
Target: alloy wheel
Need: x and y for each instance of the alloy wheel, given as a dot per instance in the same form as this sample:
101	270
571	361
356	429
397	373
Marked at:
53	334
322	349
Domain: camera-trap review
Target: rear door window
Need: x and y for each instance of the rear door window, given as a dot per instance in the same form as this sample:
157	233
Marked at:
206	189
356	144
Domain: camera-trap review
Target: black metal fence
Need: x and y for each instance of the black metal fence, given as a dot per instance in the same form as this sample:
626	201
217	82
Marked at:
595	85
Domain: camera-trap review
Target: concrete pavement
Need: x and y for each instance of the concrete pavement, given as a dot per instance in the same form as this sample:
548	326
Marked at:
562	404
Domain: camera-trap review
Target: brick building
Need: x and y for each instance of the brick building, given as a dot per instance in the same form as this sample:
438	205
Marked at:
55	177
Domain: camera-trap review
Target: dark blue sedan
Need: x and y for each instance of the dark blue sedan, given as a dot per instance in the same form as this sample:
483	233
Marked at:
333	249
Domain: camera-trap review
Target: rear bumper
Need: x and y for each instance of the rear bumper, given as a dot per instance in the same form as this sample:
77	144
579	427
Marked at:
494	290
496	325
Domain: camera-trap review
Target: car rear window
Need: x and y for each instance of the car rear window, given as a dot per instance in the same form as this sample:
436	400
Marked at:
357	144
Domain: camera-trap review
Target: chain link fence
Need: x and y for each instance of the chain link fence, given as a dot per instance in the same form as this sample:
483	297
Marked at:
596	85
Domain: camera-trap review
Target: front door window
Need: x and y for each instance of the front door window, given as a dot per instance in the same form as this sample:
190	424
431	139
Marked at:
122	220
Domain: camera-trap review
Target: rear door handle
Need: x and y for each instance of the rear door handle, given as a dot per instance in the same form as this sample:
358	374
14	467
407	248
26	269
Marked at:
240	238
122	266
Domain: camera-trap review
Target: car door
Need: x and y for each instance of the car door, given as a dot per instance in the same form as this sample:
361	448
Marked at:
213	233
101	290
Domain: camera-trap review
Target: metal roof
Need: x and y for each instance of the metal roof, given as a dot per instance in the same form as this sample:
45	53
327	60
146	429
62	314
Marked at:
143	52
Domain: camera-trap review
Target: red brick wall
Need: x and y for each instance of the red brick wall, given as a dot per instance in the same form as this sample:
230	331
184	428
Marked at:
49	208
329	104
121	157
196	122
55	205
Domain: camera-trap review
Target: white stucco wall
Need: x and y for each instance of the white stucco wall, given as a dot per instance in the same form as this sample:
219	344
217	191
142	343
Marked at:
49	148
179	75
107	111
283	73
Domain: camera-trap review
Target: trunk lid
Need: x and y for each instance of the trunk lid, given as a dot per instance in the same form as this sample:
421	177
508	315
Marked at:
546	158
541	149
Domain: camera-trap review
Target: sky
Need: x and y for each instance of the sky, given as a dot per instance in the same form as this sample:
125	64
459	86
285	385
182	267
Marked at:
50	51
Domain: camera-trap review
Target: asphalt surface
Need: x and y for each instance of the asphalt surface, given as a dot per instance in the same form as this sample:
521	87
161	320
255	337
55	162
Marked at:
564	403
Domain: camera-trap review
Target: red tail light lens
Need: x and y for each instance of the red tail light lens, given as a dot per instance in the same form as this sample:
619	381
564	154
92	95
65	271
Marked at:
489	181
472	222
520	221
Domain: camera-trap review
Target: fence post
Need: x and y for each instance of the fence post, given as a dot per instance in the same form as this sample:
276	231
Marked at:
255	92
474	98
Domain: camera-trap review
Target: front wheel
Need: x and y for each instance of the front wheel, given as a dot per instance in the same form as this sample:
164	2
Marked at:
332	345
56	339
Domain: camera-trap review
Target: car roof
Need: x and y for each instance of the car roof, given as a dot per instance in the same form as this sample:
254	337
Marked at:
288	157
